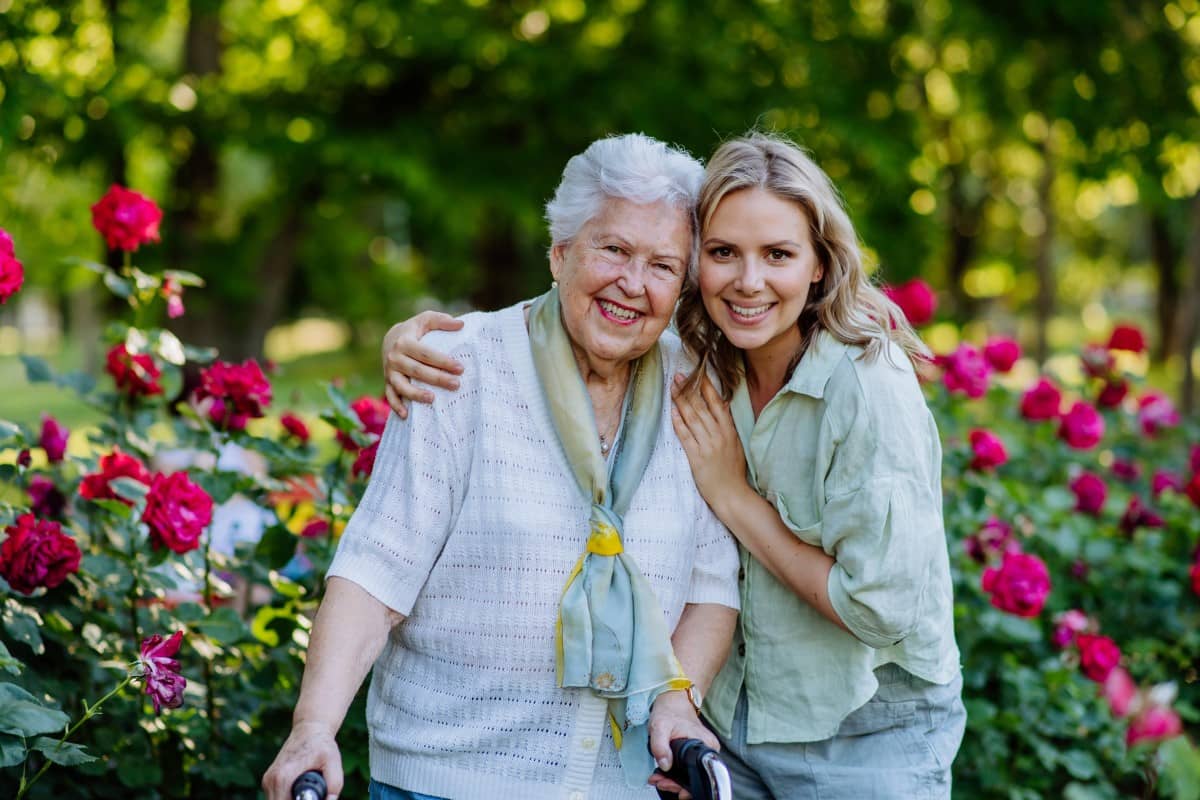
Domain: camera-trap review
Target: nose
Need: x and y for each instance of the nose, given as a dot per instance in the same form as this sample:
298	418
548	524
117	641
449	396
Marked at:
632	280
750	276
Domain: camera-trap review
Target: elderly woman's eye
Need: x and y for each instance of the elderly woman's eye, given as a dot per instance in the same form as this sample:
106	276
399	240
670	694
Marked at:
612	248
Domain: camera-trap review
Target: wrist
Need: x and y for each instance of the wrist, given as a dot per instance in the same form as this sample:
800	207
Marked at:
730	499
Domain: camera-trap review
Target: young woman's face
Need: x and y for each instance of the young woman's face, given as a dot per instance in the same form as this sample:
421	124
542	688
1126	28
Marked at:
757	263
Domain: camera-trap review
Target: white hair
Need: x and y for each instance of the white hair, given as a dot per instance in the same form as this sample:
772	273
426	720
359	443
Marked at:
631	167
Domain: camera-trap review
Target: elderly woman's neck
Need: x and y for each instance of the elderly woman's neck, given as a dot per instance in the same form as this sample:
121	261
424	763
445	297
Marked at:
599	374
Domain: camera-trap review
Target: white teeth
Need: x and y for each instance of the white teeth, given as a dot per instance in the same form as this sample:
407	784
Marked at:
617	311
743	311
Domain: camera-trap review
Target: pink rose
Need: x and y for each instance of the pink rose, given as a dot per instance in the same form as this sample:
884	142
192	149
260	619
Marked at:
134	375
1098	656
37	553
372	412
988	449
966	371
1153	724
1139	515
1082	427
113	465
233	393
172	292
365	461
1119	690
1113	393
1098	362
915	298
1041	401
45	500
1192	490
126	219
53	439
1194	458
1194	574
1164	480
295	427
12	271
160	671
1127	337
1001	353
1067	625
1019	586
177	512
1155	412
1090	492
1125	470
993	539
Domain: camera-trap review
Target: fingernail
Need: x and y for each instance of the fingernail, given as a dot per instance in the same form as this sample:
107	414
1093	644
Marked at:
663	763
453	384
679	377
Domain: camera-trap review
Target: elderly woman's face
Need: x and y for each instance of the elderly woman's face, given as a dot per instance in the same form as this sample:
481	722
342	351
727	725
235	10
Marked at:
620	276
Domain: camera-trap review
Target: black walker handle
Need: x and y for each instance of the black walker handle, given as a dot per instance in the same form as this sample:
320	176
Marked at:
309	786
688	769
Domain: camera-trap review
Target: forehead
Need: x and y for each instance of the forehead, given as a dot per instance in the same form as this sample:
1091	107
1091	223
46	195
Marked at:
756	212
660	227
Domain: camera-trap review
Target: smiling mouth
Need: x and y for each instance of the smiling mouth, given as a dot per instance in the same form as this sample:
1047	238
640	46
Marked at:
617	313
748	313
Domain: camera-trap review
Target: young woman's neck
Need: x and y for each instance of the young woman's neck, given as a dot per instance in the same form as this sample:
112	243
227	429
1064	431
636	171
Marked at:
767	367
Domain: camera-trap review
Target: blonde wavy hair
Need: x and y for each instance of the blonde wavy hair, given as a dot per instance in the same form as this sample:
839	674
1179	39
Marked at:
843	301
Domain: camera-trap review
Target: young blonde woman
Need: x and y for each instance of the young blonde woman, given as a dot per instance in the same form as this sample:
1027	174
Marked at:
816	449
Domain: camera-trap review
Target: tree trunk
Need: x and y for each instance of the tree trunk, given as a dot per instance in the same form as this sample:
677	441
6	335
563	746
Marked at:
1189	324
1166	258
1044	260
963	225
498	255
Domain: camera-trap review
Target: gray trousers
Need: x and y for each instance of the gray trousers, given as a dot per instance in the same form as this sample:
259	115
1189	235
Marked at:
899	745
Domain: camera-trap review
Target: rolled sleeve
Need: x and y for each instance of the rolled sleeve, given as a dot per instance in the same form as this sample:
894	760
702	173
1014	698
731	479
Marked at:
715	566
396	533
882	538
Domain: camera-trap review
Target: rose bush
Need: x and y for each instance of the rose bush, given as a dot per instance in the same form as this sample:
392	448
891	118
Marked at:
1072	520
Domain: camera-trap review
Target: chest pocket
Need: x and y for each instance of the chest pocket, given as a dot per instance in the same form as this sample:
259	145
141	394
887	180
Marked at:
799	516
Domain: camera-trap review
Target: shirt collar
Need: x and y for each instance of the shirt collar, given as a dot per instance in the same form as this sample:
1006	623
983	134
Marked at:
816	367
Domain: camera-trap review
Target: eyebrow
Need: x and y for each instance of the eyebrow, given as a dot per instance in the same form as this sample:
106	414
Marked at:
769	246
600	236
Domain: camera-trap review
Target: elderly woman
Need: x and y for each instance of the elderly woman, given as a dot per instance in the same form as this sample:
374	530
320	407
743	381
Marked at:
542	591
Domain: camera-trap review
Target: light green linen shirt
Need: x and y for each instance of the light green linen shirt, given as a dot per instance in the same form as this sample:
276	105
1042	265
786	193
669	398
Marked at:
849	455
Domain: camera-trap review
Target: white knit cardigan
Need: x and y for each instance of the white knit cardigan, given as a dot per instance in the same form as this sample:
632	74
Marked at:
469	527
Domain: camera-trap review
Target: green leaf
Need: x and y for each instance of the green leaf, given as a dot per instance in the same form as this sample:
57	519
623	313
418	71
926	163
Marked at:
276	547
24	627
129	488
8	431
68	755
137	773
1088	791
80	382
115	507
183	277
7	663
117	285
262	621
169	348
1081	764
12	750
26	718
1180	772
36	369
224	626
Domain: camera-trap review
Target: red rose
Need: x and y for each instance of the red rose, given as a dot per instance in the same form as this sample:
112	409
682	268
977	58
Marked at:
315	527
372	412
993	539
988	449
1156	411
1194	458
1001	353
12	272
53	439
114	465
1090	492
160	671
295	427
365	462
1153	724
177	512
135	375
1113	393
1119	690
234	393
1098	656
966	371
1195	576
1041	401
1019	586
126	219
24	458
1164	480
37	553
1126	470
1067	626
1098	361
45	500
1127	337
1139	515
915	298
1082	427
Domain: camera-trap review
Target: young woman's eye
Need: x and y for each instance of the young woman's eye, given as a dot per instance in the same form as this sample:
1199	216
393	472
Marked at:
721	252
779	255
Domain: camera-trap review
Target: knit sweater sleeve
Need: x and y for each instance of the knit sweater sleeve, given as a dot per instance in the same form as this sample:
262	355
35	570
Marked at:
399	528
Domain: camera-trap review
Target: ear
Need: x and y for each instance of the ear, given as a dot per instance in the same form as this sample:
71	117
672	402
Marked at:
818	273
558	256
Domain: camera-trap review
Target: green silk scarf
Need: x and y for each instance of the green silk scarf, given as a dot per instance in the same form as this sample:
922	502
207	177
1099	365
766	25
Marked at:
612	635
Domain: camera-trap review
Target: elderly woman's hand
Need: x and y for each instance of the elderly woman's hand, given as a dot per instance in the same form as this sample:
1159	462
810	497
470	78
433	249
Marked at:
705	429
405	359
311	745
674	717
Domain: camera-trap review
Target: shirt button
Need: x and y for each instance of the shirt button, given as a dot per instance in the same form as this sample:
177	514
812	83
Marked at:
588	744
742	649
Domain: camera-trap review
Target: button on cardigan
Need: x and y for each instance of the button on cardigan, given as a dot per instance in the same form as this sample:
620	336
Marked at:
469	527
849	455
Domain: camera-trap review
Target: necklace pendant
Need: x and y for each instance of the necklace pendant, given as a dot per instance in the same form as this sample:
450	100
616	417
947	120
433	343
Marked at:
603	445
